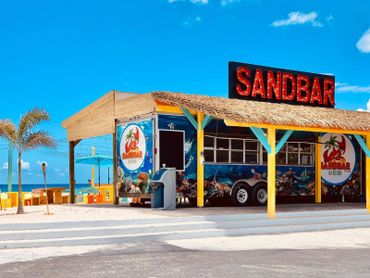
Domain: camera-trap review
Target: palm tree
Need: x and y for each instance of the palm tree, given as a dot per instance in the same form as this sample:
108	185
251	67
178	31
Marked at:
25	138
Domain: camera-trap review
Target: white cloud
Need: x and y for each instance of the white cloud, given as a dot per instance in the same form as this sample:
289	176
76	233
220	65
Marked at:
199	2
5	166
346	88
364	42
190	21
367	107
226	2
295	18
40	162
329	18
337	84
61	174
25	165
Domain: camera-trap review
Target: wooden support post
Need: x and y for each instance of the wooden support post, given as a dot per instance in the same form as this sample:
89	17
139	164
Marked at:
200	161
367	165
318	171
72	145
114	142
271	174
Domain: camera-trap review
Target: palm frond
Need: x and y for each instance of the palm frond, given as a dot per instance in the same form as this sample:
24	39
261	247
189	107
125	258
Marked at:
38	139
8	130
31	119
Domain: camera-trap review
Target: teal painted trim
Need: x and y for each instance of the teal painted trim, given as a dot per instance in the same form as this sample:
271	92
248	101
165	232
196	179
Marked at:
207	119
190	117
283	140
362	144
262	138
10	168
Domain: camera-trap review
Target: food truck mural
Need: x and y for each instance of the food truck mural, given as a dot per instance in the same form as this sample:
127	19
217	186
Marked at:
138	157
135	152
340	167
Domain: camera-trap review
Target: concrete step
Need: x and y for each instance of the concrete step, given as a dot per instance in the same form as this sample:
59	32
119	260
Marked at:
219	226
173	235
164	220
225	224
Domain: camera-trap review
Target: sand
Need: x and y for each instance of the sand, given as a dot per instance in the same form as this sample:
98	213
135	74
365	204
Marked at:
37	214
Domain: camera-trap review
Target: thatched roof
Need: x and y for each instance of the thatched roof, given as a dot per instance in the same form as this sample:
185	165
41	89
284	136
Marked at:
269	113
99	117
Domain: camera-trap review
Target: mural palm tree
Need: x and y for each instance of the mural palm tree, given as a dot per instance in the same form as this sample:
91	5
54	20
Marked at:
25	138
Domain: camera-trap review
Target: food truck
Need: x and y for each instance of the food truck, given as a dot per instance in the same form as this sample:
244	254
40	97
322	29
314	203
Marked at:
234	157
276	137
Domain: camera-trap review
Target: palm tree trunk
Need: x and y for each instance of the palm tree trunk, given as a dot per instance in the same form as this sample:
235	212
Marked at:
20	199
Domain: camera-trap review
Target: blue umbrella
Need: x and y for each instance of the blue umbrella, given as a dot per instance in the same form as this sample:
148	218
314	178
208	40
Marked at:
98	159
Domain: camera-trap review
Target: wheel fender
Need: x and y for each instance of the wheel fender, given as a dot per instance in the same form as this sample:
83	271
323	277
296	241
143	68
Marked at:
261	183
236	183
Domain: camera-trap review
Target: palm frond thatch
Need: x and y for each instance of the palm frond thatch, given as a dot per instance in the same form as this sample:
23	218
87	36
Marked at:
268	113
31	119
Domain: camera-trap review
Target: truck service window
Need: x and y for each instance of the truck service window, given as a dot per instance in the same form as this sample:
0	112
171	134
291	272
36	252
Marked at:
230	150
171	149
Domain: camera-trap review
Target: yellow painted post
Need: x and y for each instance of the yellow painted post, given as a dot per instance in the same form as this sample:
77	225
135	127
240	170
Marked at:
318	171
271	174
93	169
368	175
200	161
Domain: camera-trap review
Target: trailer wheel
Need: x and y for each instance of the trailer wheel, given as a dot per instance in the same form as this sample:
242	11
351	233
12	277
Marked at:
260	194
240	196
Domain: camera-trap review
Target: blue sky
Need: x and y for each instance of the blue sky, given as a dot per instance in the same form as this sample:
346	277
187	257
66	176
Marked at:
62	55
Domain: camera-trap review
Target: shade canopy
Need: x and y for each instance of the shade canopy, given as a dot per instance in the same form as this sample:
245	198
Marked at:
98	160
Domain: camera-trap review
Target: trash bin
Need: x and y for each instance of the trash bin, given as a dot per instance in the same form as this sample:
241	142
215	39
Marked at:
163	187
157	195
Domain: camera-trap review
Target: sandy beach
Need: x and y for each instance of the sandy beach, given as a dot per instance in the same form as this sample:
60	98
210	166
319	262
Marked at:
37	214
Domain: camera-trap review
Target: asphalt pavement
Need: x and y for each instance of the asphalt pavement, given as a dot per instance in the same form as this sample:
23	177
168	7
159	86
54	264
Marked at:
154	259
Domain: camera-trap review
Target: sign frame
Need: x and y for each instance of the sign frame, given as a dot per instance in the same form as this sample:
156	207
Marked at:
277	85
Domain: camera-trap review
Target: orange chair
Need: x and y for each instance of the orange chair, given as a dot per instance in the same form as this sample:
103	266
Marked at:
90	199
99	199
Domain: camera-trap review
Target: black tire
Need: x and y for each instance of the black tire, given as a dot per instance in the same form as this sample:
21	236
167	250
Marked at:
240	195
259	194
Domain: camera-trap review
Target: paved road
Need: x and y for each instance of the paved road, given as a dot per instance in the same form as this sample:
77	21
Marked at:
138	248
162	260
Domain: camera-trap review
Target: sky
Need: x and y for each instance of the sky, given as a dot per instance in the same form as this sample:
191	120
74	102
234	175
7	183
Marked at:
63	55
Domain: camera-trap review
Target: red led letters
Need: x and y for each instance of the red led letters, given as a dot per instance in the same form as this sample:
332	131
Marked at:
285	86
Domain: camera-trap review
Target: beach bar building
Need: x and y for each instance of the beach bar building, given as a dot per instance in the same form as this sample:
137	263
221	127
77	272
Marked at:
277	137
